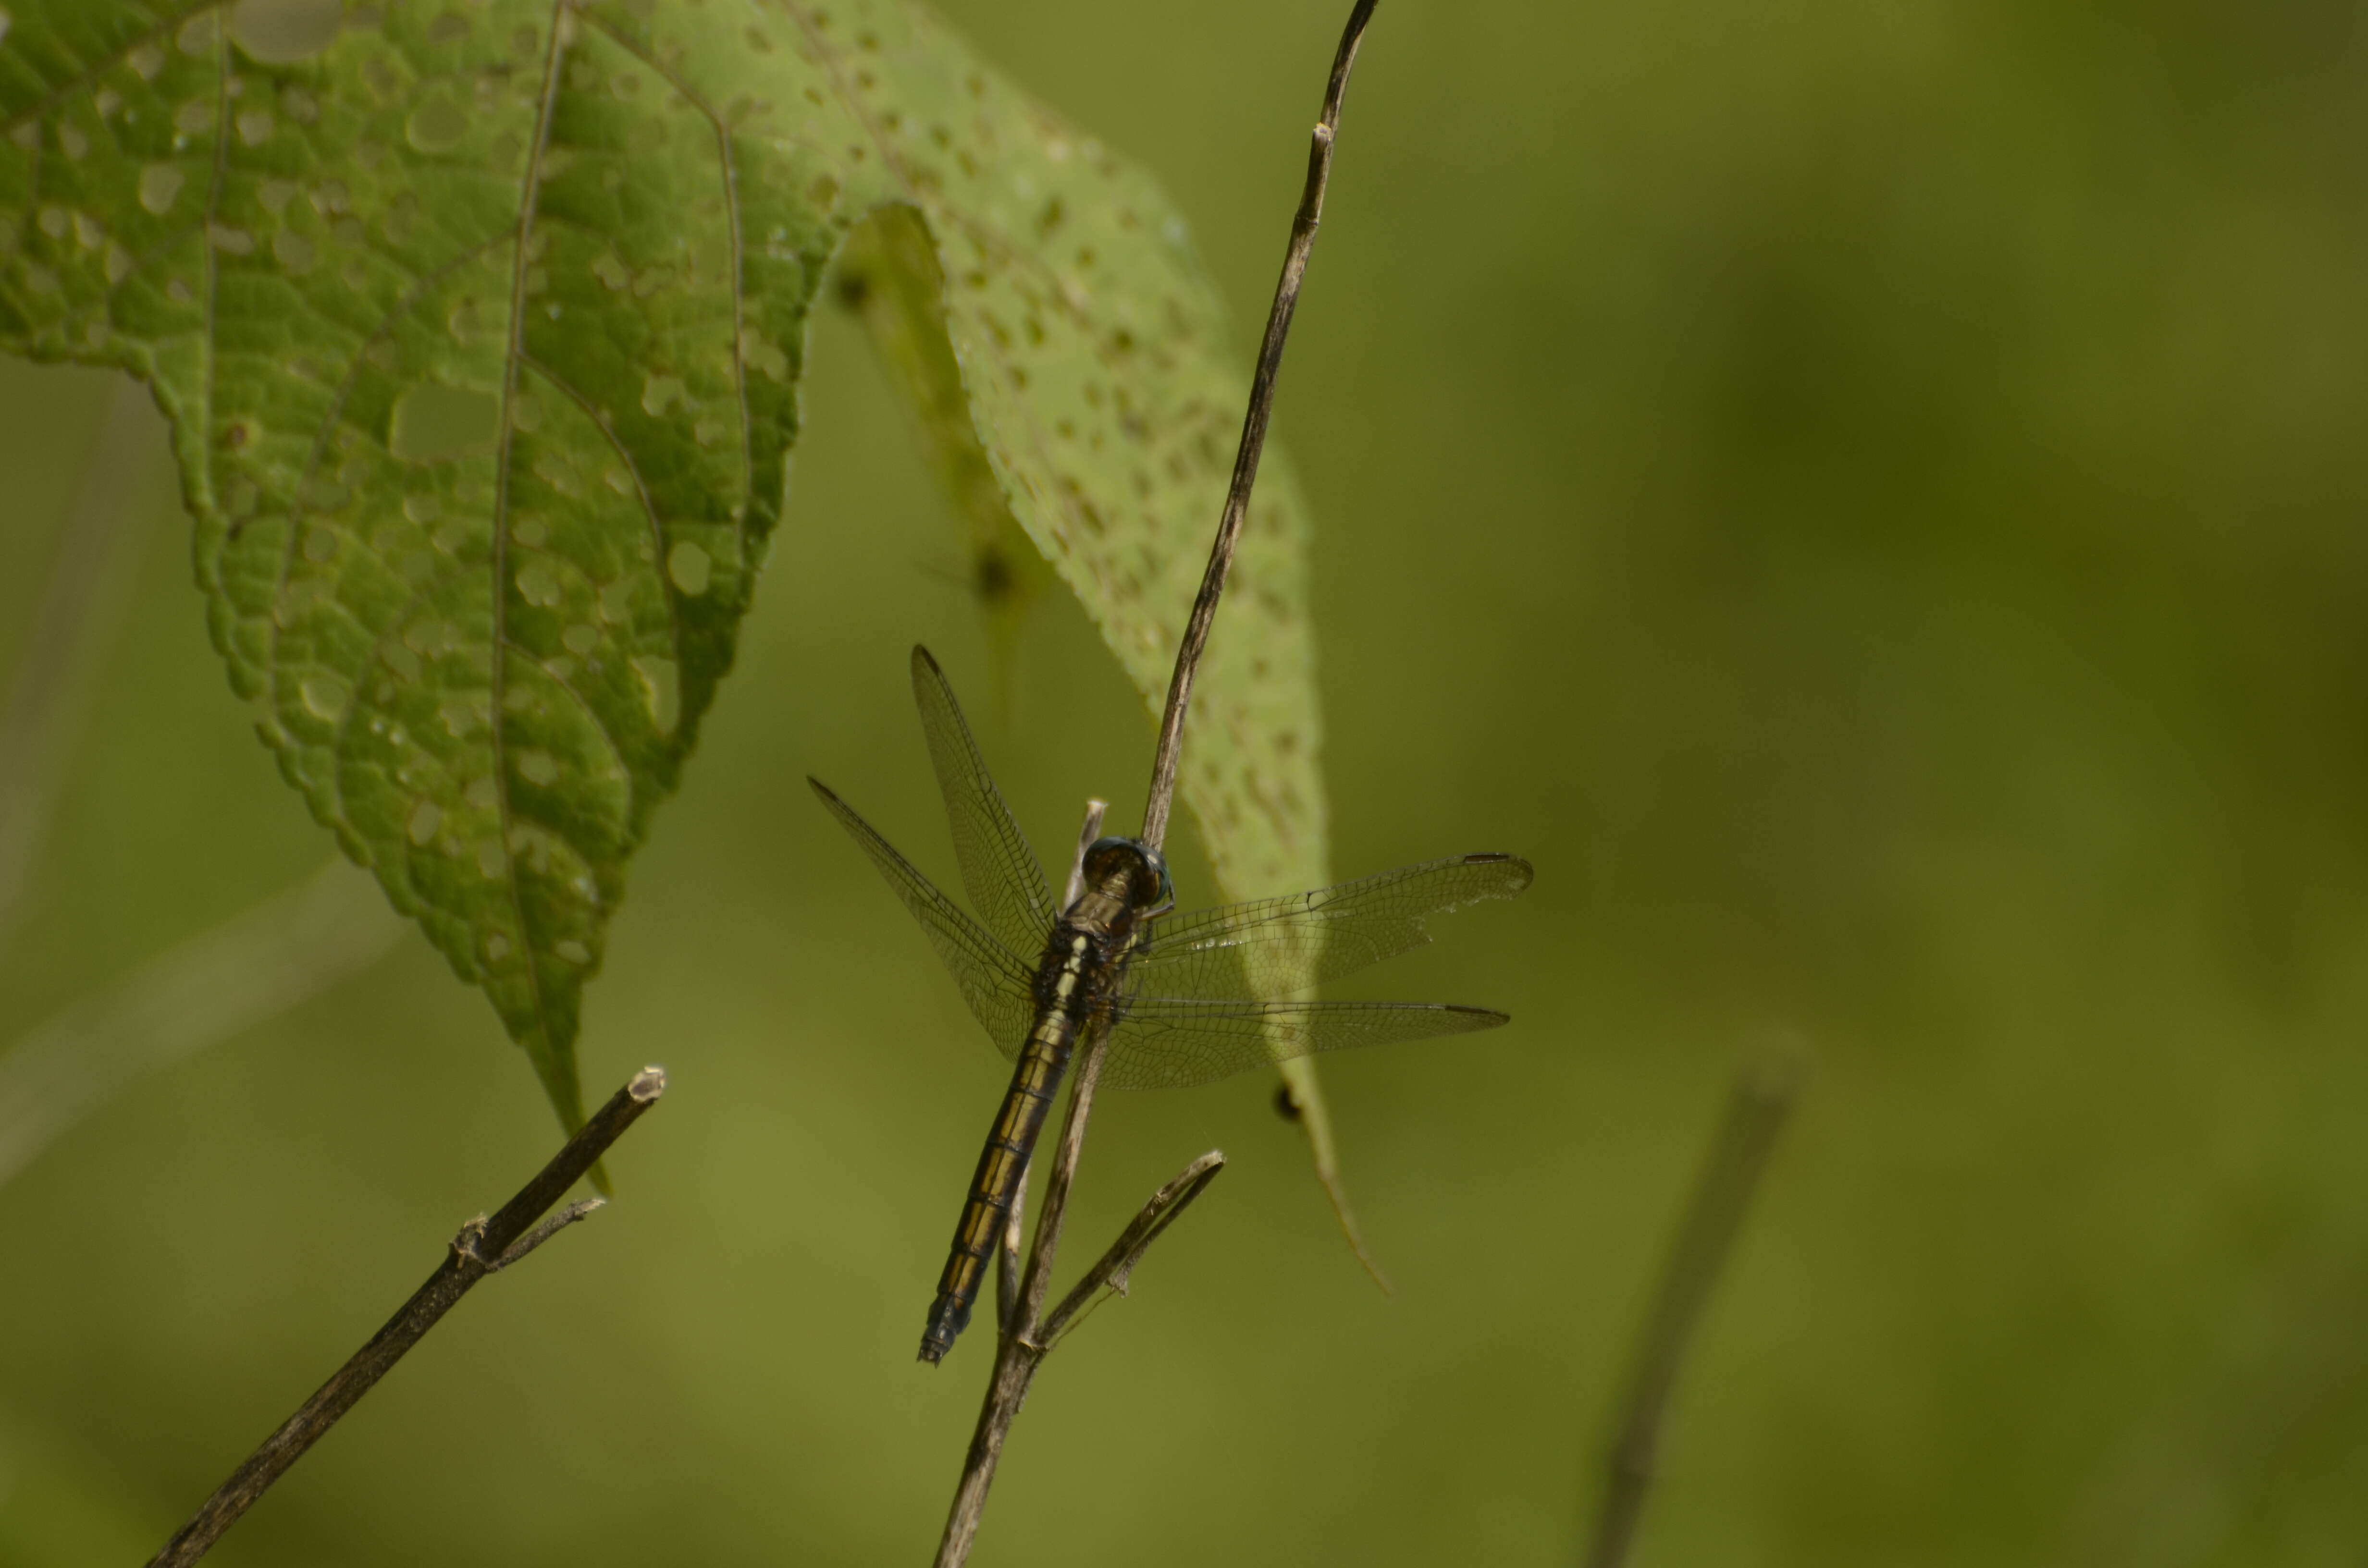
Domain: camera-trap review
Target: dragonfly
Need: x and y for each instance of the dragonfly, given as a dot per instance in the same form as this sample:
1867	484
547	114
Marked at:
1187	998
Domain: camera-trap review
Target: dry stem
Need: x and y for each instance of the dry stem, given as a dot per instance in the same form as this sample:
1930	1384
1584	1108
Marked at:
1024	1343
1254	423
1110	1271
483	1248
1755	1114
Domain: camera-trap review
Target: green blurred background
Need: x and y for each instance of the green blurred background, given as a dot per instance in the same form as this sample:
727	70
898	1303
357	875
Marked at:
1867	495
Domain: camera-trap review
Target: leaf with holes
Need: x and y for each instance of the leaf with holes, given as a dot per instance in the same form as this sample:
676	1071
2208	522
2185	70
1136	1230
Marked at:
479	325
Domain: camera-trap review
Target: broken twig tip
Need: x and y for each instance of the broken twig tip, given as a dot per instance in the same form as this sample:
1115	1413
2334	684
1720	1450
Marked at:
647	1085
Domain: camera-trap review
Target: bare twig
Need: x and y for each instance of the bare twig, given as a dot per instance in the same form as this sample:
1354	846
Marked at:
1254	423
1111	1271
1755	1113
1023	1346
229	977
579	1209
1018	1353
1007	1257
482	1246
39	717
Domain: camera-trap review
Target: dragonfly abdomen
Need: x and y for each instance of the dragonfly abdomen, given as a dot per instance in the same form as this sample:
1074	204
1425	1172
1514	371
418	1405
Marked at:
1068	994
1036	1081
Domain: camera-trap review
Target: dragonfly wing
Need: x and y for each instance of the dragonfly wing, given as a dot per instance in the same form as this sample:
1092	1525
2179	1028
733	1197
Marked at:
1005	878
1169	1042
991	978
1272	947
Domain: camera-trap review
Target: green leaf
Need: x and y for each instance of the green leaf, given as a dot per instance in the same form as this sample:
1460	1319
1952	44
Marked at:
479	326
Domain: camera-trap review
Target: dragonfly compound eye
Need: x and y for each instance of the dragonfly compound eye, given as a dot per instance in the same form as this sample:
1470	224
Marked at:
1145	870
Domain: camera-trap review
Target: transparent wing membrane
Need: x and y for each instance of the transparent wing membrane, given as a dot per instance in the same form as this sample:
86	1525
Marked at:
1200	996
1207	992
1004	879
1273	947
1165	1042
993	980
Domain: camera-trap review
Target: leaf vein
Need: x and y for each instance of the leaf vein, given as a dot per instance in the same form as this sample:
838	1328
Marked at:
329	422
739	296
608	738
106	63
530	185
296	516
574	394
443	578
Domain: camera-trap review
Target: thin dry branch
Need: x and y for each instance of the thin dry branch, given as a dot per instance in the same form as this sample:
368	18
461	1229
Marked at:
1113	1269
1018	1352
1022	1347
484	1246
1007	1257
1254	423
1755	1113
579	1209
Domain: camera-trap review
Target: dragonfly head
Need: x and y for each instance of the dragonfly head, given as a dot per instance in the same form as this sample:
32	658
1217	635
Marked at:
1128	873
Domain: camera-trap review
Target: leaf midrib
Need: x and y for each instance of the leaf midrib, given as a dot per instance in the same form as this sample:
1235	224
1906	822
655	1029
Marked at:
529	191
